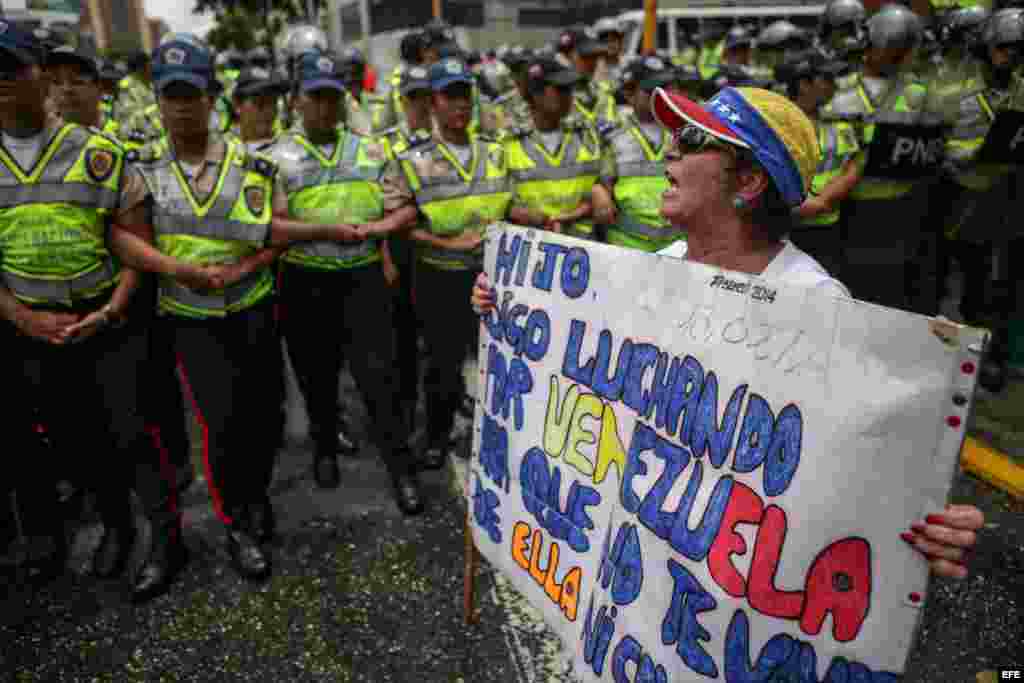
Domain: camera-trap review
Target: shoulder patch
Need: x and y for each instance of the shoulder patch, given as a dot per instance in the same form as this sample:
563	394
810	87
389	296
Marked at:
99	163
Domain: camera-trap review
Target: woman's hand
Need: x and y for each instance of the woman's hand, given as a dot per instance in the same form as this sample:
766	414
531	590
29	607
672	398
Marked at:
483	295
945	538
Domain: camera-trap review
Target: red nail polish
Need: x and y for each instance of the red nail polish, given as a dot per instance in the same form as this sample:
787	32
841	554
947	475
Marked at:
908	537
934	519
918	527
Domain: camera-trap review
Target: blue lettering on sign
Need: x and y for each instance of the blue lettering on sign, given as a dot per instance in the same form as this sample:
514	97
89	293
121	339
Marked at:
506	259
784	658
541	489
706	435
680	626
511	382
622	566
629	650
531	336
574	275
494	452
597	635
485	502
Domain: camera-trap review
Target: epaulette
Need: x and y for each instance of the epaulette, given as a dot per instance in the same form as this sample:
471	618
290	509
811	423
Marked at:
386	132
259	164
487	137
518	132
146	154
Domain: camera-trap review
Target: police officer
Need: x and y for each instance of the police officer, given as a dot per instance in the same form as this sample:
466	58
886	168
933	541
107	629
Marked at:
332	173
610	32
204	215
64	299
712	45
899	131
256	98
628	197
108	77
460	185
397	253
841	33
981	191
513	106
365	111
137	113
592	101
810	82
555	163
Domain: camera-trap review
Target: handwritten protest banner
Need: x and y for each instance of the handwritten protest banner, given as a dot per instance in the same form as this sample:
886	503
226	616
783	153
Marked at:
696	474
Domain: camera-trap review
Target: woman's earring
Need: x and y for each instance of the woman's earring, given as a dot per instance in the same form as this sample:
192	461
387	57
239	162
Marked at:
739	203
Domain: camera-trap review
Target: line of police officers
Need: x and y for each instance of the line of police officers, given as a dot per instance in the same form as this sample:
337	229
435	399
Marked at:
173	233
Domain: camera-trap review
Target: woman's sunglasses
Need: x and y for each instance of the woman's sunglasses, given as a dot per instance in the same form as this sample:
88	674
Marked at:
691	139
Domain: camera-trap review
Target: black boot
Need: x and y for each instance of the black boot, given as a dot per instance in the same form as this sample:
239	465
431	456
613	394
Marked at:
407	493
262	523
118	538
325	470
167	556
435	455
246	555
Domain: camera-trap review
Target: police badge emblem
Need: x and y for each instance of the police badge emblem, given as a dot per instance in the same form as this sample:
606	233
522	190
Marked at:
255	198
99	163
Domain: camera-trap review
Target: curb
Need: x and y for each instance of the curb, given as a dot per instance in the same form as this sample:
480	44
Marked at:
993	466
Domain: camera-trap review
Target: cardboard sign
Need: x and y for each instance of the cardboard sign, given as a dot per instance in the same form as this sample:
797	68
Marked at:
904	152
700	475
1004	143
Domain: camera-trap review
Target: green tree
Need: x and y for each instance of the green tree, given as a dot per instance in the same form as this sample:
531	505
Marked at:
245	24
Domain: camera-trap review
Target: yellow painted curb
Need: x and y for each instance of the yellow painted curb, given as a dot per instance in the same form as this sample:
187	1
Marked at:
992	466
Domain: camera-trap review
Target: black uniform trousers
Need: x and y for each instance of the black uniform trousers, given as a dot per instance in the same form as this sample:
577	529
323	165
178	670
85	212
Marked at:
450	329
235	375
329	317
879	239
407	332
88	397
164	404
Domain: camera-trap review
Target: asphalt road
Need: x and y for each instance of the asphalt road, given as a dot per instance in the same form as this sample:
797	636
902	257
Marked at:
360	593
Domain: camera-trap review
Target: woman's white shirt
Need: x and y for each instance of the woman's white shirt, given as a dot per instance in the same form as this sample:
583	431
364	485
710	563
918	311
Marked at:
791	265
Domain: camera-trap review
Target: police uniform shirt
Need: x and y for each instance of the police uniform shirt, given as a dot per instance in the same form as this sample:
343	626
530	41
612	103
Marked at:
652	132
31	152
395	192
202	180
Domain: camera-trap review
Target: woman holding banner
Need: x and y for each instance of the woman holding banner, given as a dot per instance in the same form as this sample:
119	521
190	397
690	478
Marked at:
740	164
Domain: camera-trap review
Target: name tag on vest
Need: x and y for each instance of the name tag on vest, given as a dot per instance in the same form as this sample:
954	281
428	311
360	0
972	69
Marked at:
1004	143
904	151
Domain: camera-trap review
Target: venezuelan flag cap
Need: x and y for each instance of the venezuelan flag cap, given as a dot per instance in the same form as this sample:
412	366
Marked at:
776	131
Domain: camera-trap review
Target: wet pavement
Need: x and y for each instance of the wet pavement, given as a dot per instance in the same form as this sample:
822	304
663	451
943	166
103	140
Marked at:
360	593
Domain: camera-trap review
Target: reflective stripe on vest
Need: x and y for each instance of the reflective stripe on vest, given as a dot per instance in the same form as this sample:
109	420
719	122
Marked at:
53	218
638	188
832	161
226	299
340	174
212	232
82	286
456	202
64	193
558	183
870	188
